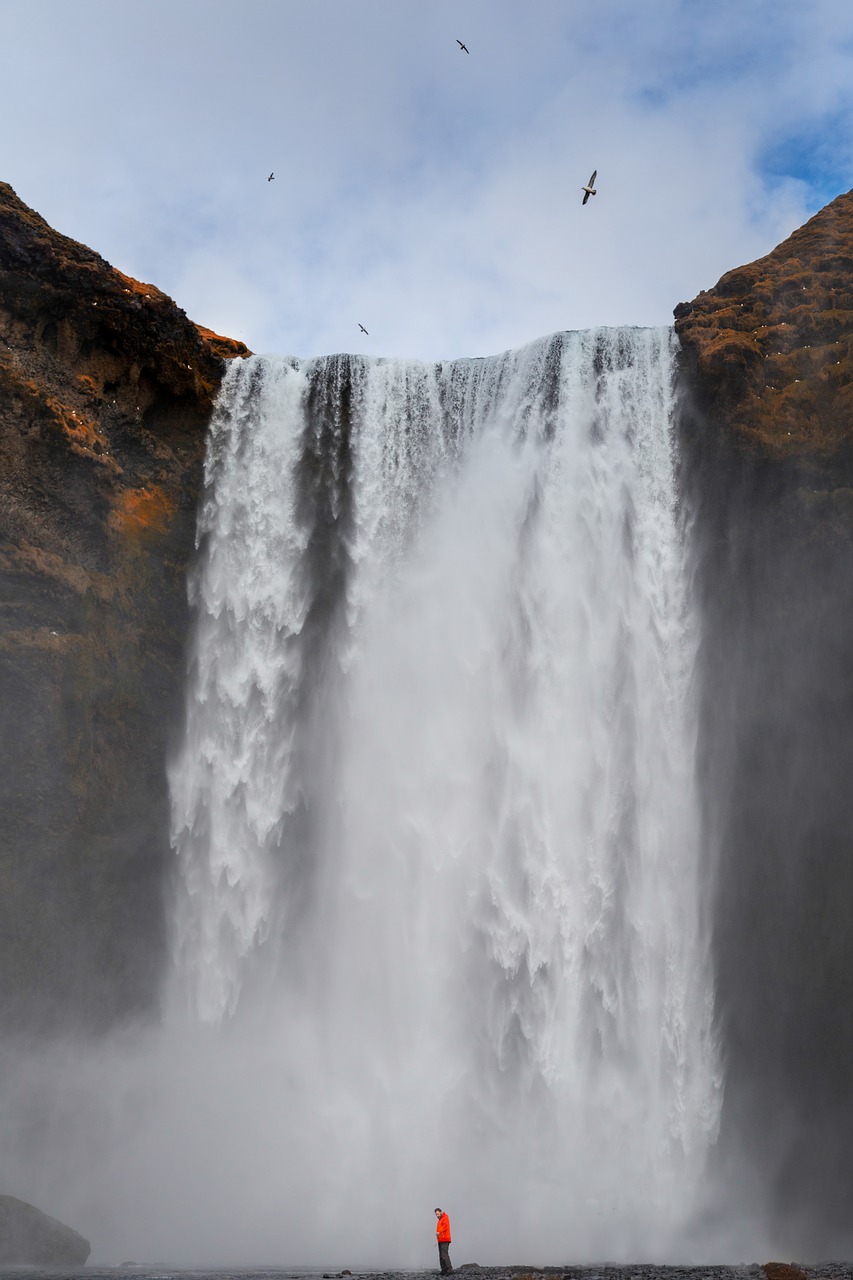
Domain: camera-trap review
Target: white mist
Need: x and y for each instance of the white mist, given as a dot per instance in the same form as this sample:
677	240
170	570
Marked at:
444	853
437	925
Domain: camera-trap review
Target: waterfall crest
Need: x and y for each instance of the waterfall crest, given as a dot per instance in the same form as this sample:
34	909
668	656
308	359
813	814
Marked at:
434	810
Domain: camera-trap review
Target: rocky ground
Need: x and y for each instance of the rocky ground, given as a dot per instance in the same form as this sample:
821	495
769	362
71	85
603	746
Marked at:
639	1271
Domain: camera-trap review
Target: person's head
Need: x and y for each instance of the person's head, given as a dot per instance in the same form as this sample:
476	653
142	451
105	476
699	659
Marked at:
438	1213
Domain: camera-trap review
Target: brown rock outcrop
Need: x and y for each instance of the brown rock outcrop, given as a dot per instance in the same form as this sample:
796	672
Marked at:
783	1271
770	347
105	390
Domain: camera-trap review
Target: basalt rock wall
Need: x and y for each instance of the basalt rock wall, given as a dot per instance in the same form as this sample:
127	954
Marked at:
105	390
767	435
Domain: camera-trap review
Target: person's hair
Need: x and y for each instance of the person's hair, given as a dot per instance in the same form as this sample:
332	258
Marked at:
437	1209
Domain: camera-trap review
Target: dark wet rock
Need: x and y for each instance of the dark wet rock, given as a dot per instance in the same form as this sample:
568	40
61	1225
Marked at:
105	391
640	1271
30	1237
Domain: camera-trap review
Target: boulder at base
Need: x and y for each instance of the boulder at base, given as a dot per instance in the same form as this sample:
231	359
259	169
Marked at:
29	1236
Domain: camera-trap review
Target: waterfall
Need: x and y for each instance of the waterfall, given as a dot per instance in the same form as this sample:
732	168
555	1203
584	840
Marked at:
434	811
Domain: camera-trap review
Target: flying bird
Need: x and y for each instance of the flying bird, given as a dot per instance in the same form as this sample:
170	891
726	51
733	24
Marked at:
463	47
363	330
589	189
270	178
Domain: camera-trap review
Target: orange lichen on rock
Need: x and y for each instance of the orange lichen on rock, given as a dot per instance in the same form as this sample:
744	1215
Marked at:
81	432
28	560
89	387
227	348
769	350
23	392
144	510
141	290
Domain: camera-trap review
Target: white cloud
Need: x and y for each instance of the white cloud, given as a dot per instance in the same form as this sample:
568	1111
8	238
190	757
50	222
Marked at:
430	194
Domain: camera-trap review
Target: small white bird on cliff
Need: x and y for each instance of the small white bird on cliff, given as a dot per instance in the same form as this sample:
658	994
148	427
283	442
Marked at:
589	189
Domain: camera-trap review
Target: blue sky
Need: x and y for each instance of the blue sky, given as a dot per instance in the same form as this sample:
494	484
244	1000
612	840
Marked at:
431	195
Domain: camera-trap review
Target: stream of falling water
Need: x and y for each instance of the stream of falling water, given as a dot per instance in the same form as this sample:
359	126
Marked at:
439	895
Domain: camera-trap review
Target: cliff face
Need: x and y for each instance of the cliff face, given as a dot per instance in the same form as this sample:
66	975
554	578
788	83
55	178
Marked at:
767	434
105	390
770	348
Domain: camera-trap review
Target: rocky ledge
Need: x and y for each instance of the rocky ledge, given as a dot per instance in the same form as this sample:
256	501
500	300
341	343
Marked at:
32	1238
105	390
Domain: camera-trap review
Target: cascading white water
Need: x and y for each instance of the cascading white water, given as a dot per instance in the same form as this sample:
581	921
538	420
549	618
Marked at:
434	811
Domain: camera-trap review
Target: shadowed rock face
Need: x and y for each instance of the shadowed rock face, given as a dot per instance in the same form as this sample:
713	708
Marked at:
767	428
29	1237
105	390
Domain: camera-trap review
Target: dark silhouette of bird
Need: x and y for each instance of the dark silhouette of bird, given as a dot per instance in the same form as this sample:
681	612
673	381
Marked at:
363	330
589	189
463	47
270	178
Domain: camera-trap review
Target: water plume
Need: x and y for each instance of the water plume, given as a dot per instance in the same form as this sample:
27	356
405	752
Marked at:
436	924
438	860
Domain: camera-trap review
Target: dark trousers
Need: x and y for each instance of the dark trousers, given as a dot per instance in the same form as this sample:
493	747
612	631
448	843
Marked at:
444	1256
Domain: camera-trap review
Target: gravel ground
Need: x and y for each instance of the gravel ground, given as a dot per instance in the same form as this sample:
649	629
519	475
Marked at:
603	1271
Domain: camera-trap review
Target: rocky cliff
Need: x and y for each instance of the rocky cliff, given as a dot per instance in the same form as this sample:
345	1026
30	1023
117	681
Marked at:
767	427
769	350
31	1238
105	390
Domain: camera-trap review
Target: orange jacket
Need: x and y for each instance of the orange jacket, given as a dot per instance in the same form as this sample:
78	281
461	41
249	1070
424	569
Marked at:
442	1230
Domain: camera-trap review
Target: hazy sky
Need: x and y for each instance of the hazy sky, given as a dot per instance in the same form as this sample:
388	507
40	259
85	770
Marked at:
432	195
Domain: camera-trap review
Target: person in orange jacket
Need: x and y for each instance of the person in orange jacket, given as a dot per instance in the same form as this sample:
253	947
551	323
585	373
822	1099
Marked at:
442	1235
